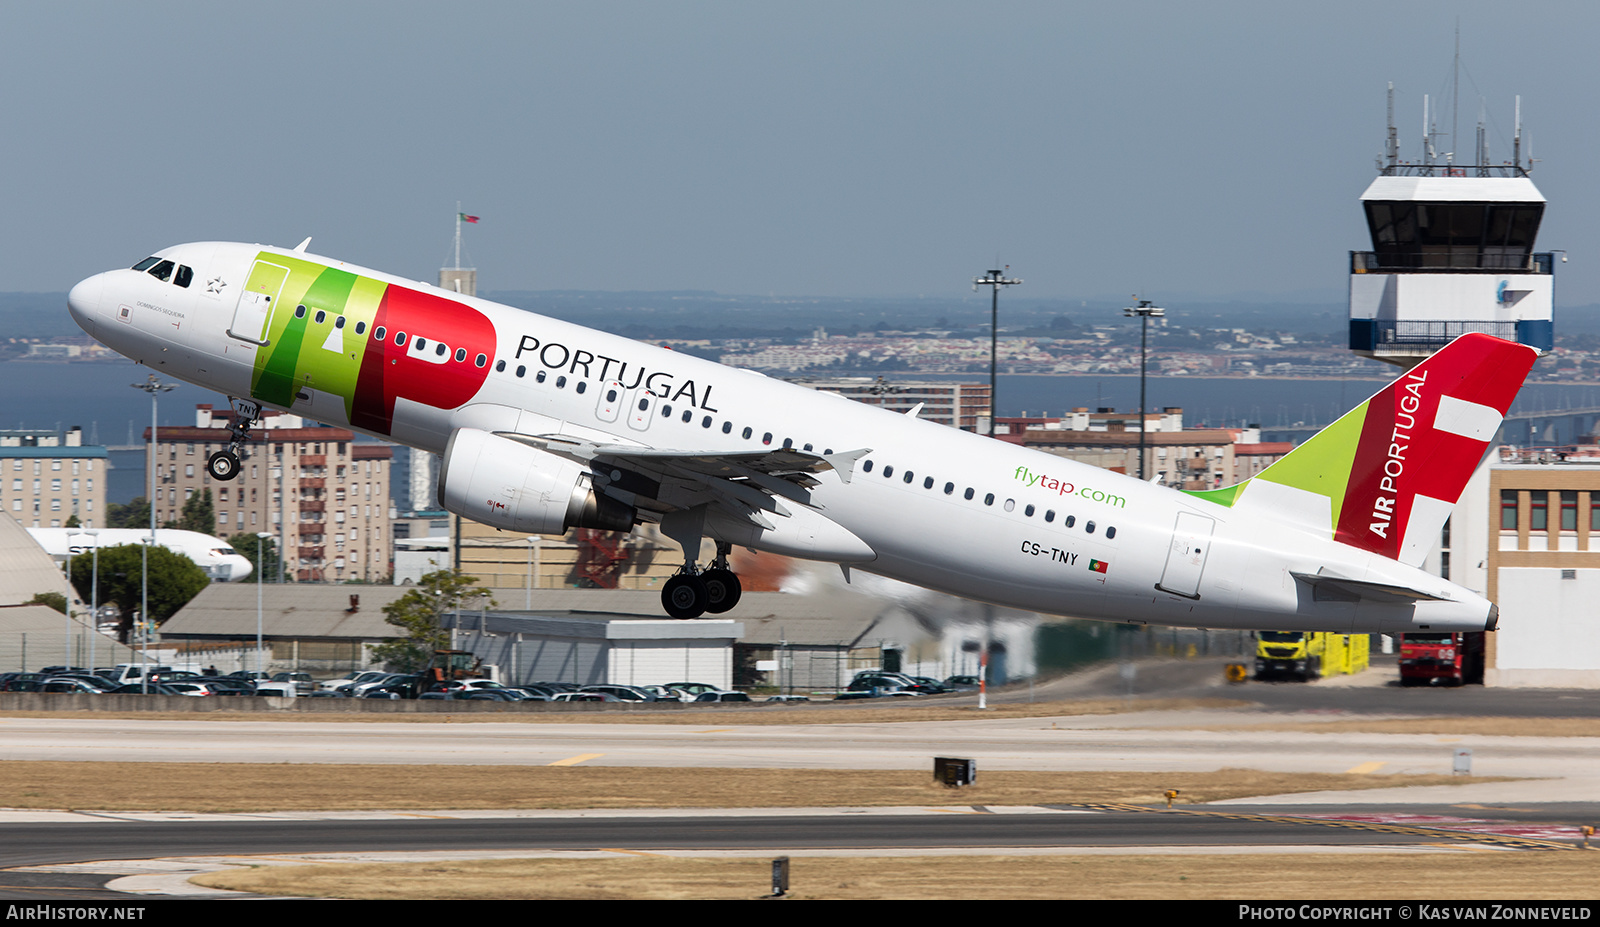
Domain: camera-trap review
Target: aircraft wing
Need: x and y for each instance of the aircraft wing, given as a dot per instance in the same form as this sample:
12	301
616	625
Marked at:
742	483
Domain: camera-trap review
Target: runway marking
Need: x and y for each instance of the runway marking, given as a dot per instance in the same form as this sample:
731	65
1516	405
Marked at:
960	811
716	730
1365	768
575	760
632	852
1529	838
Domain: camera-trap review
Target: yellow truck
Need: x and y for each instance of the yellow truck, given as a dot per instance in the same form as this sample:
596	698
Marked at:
1307	655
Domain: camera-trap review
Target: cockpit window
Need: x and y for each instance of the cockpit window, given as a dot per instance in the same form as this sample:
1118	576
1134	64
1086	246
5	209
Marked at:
162	270
184	276
147	263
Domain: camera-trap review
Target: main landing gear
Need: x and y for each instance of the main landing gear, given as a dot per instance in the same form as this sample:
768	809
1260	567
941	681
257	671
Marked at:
691	593
225	465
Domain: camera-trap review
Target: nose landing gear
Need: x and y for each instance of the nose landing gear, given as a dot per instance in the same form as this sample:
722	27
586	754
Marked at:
224	465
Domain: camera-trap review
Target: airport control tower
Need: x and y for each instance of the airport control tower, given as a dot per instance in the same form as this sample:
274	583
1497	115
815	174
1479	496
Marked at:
1452	252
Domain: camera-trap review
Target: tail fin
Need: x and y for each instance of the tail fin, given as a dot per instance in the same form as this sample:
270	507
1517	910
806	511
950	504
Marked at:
1385	476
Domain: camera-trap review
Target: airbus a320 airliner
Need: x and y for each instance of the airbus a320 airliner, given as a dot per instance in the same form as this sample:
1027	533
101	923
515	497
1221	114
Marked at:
544	426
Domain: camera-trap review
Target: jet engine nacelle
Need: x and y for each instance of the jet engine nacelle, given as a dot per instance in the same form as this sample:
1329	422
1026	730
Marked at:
506	484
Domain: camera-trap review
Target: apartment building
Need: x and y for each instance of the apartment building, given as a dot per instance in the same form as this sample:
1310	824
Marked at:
323	496
959	405
46	478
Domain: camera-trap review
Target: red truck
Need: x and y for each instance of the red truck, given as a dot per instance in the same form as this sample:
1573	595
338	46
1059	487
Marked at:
1441	659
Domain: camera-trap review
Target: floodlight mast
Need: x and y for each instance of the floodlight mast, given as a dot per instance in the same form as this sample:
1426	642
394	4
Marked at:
1144	312
155	388
994	280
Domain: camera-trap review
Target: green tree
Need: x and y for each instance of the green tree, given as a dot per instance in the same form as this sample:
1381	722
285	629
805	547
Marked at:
419	615
250	547
55	600
136	514
72	522
174	580
199	514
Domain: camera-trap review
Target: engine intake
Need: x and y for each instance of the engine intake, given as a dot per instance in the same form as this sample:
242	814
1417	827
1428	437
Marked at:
507	484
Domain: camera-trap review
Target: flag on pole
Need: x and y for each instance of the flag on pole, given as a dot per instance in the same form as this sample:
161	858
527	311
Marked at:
467	218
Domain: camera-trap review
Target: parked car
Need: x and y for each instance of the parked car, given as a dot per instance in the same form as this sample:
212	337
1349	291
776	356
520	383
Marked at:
302	681
277	689
139	688
196	689
873	692
625	693
722	696
693	688
69	685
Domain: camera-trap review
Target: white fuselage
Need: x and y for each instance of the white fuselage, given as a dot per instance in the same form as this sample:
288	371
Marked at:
938	507
211	554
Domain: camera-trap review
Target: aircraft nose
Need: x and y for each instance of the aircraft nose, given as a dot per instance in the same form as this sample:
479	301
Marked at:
84	301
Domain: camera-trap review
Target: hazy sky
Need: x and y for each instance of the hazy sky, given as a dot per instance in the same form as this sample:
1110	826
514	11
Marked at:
1179	149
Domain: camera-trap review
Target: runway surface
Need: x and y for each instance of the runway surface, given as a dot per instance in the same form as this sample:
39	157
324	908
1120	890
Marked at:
78	854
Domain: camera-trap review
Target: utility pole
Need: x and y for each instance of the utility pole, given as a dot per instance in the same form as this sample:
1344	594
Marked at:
155	388
1144	311
994	280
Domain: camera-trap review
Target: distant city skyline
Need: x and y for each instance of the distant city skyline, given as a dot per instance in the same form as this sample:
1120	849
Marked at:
1181	151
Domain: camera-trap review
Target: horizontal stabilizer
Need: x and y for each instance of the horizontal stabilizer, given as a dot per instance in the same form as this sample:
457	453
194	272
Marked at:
1363	589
